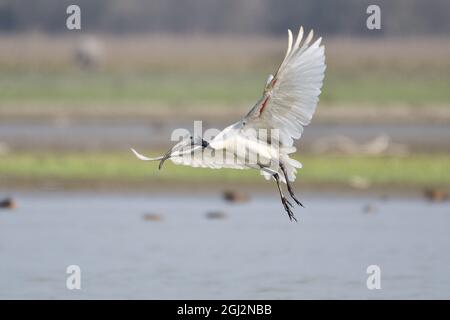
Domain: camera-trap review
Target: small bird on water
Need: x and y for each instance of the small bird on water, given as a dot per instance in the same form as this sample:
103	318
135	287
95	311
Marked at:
263	139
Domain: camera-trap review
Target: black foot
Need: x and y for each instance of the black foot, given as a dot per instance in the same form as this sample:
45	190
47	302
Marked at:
291	192
287	206
296	200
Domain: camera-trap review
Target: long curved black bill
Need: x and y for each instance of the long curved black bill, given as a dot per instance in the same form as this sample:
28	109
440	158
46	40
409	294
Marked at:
164	158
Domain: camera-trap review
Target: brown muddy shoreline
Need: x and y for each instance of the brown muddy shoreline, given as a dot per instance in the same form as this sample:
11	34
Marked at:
177	187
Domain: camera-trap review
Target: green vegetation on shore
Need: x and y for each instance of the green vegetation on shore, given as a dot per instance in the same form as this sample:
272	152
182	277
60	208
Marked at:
211	89
406	171
214	71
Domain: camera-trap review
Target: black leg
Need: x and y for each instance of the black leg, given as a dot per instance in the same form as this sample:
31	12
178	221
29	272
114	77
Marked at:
287	205
291	192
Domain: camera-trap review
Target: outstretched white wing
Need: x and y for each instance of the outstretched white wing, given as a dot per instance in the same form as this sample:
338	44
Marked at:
200	157
209	160
290	97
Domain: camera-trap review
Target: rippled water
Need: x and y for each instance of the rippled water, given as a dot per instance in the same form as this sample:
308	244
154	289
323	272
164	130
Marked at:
255	252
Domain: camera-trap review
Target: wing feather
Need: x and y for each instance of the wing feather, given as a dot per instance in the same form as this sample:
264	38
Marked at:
290	98
203	158
207	158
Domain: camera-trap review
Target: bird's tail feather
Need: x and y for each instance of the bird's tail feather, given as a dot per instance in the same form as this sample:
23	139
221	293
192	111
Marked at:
291	166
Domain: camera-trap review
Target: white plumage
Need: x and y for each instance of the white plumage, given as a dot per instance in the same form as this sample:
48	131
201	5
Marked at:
264	138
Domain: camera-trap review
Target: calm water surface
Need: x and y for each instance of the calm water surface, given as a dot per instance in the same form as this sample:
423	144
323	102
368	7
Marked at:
255	252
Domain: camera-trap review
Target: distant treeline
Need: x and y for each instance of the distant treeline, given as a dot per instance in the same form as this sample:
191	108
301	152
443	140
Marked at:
344	17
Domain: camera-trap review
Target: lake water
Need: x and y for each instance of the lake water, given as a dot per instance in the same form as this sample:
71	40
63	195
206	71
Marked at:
255	252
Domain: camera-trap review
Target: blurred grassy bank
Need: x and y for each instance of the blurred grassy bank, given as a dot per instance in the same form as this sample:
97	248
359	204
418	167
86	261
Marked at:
164	78
413	171
233	89
192	71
